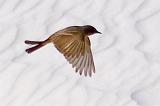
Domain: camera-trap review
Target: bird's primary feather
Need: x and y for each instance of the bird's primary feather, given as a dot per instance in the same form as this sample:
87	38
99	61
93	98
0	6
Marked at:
77	52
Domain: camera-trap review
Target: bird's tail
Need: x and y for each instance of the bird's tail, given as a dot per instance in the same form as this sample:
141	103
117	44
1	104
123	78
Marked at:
38	44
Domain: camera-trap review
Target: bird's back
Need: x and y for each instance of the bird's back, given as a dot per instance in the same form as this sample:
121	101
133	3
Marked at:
73	32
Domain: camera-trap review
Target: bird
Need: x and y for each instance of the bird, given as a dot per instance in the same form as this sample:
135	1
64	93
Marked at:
74	43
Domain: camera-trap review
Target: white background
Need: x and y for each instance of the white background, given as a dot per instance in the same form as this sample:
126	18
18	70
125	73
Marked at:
126	55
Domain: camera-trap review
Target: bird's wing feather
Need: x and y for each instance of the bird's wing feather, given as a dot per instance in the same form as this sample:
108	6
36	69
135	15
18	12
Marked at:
77	52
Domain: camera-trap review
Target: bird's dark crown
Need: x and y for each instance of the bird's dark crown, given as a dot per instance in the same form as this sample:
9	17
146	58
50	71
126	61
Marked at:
89	30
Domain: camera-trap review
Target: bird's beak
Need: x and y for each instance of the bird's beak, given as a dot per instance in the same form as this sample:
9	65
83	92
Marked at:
99	32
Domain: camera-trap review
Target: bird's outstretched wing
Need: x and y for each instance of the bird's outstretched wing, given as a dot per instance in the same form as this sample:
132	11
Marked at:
77	52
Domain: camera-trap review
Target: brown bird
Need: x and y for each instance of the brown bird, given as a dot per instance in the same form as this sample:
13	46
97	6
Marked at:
73	42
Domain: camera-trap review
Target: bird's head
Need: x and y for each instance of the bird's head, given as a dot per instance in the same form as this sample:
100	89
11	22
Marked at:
89	30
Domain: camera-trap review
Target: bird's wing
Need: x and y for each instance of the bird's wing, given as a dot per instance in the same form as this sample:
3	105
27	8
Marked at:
77	52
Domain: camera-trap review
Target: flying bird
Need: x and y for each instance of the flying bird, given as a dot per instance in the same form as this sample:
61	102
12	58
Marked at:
73	42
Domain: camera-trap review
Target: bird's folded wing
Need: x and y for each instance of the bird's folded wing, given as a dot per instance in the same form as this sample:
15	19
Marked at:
77	52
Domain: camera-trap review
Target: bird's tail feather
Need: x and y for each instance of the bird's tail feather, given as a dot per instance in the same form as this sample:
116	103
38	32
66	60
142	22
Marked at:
38	44
32	42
